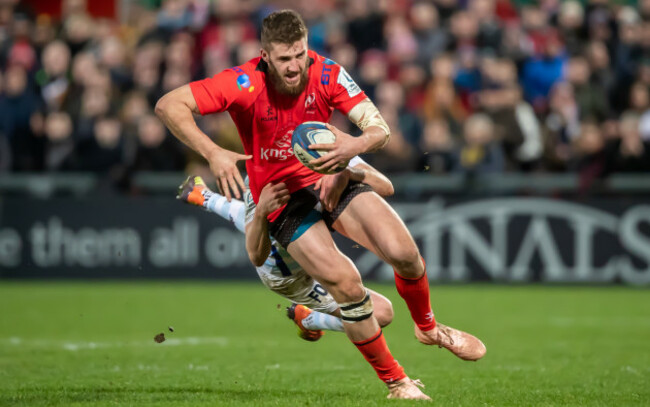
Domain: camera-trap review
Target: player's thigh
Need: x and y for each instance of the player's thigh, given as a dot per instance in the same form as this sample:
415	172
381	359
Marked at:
371	222
317	254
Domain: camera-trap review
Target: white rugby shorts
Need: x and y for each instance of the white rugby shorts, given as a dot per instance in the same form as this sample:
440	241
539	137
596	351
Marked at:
301	289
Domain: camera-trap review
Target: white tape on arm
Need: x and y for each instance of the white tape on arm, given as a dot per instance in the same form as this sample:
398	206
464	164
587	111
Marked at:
356	160
365	114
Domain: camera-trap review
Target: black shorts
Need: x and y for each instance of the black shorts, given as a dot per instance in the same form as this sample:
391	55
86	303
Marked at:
302	202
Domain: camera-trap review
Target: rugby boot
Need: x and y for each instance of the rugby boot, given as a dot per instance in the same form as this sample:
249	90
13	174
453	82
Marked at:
461	344
297	313
193	191
407	389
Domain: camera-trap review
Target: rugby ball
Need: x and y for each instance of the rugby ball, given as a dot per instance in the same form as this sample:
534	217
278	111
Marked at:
310	133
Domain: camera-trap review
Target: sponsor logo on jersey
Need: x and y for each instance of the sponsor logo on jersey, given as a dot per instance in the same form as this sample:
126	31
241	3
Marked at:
270	116
284	141
243	80
325	75
348	83
283	150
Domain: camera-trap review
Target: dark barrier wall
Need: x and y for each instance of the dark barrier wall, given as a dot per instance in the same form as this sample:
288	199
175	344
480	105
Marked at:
501	239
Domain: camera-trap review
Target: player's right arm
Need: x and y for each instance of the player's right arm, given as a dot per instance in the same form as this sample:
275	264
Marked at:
176	110
258	243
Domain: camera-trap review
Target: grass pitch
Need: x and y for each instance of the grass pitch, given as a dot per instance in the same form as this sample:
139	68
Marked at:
91	344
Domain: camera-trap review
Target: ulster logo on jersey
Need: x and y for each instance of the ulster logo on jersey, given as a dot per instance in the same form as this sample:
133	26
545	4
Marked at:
310	99
310	105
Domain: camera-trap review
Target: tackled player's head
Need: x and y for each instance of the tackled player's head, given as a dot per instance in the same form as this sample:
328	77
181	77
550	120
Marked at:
284	49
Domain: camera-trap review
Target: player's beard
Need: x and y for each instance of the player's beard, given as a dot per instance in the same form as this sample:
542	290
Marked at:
281	86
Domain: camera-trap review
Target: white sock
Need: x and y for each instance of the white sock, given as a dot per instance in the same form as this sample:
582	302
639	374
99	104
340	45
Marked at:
317	320
233	211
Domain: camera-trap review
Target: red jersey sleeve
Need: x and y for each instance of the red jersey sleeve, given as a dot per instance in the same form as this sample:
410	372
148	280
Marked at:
228	90
344	92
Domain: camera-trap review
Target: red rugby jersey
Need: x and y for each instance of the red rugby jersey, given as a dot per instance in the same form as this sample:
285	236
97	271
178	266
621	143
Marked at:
266	119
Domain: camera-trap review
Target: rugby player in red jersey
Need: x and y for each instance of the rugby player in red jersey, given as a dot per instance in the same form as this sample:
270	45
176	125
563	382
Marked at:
267	98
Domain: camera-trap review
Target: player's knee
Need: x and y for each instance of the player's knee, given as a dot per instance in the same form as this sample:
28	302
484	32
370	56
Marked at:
383	311
406	259
350	291
344	287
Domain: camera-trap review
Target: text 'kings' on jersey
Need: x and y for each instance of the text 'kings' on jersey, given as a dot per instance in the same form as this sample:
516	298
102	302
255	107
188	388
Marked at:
265	119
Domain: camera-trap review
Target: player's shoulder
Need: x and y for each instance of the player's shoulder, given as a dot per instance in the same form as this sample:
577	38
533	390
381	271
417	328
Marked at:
319	60
324	72
323	66
330	75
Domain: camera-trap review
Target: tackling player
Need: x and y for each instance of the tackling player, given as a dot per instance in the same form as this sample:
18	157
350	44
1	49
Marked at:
275	267
267	98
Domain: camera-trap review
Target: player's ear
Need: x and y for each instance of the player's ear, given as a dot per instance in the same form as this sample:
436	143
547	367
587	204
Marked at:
265	55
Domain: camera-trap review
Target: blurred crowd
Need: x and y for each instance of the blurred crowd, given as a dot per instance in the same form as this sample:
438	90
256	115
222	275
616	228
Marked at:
469	86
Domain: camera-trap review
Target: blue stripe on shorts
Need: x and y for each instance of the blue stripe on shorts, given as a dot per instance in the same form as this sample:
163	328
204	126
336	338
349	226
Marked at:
311	218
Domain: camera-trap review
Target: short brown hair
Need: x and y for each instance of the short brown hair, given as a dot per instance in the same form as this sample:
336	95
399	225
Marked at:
284	27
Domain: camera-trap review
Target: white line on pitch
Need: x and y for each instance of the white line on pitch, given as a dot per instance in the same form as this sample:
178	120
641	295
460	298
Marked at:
91	345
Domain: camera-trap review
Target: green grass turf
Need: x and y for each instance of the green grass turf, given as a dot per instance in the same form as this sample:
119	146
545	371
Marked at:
91	344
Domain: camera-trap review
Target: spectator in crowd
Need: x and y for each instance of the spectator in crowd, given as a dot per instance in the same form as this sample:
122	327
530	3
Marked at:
541	72
431	39
515	124
439	149
17	105
365	25
53	77
602	75
59	148
629	153
562	126
590	98
156	150
480	153
104	151
570	22
639	98
489	27
441	101
589	158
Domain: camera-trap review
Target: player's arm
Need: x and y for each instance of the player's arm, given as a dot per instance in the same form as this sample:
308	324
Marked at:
375	136
258	243
368	174
347	97
331	186
176	110
366	117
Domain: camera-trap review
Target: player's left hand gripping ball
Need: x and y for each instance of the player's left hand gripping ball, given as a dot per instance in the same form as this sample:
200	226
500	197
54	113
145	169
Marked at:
321	147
